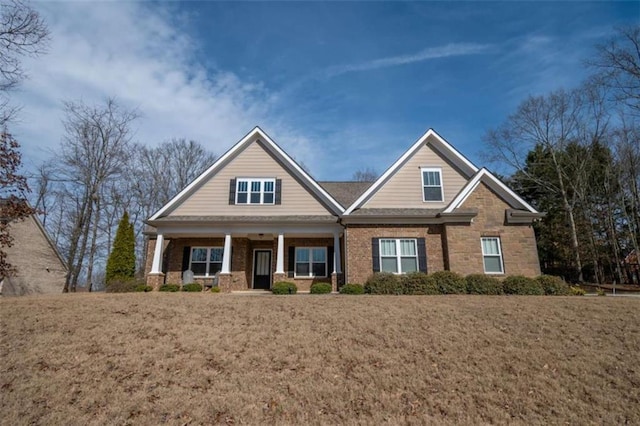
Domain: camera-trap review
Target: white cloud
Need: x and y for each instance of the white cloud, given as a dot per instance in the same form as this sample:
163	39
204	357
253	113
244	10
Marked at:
448	50
138	54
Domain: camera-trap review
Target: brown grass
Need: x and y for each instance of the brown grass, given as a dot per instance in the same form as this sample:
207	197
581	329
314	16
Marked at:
209	359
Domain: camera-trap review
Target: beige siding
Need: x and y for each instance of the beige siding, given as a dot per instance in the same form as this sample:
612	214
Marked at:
404	188
39	270
212	198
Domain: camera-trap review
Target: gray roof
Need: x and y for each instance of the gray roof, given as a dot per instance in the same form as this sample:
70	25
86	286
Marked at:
250	219
397	212
345	192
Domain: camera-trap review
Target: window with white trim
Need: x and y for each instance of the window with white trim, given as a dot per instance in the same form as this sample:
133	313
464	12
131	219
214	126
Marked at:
255	191
399	256
492	255
311	262
432	184
205	261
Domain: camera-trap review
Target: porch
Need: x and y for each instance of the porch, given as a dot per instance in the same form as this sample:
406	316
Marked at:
246	260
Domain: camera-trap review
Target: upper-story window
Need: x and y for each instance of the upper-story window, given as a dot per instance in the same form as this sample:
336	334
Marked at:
432	184
255	191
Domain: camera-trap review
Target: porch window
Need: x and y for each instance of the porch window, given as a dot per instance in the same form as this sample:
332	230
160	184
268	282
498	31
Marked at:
206	261
492	255
398	256
255	191
311	262
432	184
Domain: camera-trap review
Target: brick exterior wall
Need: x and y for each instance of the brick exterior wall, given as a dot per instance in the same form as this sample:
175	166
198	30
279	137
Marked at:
454	247
520	254
39	270
241	277
359	253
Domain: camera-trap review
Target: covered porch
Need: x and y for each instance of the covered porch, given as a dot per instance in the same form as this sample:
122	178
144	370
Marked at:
240	257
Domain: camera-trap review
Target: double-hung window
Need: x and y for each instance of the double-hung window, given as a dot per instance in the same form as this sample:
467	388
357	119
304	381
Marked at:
255	191
399	256
492	255
432	184
205	261
311	262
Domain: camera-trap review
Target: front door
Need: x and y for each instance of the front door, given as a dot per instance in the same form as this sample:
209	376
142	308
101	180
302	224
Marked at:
262	269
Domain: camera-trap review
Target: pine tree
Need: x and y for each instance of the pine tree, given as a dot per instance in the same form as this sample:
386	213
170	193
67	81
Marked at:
121	264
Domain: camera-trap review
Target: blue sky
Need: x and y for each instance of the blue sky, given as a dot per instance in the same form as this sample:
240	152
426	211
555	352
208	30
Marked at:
340	86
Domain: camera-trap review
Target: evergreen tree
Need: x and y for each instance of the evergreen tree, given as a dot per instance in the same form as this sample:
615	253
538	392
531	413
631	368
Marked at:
121	264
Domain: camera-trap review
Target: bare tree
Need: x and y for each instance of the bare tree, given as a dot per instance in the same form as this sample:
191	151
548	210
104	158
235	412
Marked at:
95	151
22	33
366	174
618	66
551	123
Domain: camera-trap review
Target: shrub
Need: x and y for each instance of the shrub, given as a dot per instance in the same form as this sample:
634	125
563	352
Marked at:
284	287
143	287
169	287
352	289
577	291
192	287
552	285
320	288
215	289
383	283
483	284
418	283
449	282
121	286
600	292
518	284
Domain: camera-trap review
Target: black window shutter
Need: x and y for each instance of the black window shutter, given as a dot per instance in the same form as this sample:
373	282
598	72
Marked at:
292	262
232	191
330	252
186	256
375	254
422	255
278	191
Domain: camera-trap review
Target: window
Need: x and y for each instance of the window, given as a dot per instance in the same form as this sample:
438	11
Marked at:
206	261
255	191
399	256
492	255
311	262
432	184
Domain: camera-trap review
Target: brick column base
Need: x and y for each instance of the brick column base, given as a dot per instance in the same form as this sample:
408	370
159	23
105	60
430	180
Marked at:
279	277
155	280
225	283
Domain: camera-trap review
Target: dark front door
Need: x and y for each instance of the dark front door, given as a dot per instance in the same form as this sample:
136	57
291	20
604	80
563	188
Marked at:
262	269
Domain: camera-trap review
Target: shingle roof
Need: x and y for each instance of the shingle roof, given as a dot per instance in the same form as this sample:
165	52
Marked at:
250	219
345	192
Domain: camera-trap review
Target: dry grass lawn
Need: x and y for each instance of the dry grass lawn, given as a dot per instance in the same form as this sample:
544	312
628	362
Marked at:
210	359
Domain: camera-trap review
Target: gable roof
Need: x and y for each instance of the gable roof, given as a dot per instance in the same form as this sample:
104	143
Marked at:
345	192
434	140
486	177
288	163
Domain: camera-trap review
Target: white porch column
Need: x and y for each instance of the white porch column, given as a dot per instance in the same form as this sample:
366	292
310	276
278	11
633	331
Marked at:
336	253
280	255
226	255
156	266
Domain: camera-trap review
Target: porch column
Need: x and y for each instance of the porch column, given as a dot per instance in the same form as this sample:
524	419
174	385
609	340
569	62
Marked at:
280	255
337	269
156	266
226	255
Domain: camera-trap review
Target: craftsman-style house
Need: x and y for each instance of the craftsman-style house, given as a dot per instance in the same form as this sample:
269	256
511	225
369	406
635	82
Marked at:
256	217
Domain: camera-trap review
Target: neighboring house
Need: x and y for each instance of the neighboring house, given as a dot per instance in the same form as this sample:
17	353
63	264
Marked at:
40	268
257	217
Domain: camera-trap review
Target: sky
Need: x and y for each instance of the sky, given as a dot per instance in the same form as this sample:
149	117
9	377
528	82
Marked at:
341	86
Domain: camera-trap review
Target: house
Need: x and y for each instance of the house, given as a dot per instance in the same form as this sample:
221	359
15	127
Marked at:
255	217
40	268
